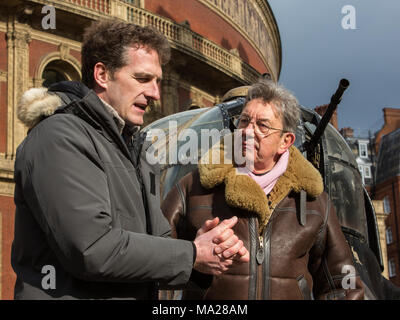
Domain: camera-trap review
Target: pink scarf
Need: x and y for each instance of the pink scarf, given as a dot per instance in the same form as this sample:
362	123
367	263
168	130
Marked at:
268	180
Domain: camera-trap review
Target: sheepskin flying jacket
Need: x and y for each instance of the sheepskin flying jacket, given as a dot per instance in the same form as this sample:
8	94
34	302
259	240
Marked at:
293	254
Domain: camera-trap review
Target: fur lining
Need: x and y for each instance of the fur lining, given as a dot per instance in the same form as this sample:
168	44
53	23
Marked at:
243	192
35	104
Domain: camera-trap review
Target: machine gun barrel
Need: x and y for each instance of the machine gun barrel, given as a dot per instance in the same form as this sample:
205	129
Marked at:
335	100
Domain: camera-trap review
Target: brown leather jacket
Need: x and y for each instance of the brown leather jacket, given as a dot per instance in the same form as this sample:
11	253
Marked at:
297	249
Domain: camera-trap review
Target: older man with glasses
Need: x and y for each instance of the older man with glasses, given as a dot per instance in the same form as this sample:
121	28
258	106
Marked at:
286	220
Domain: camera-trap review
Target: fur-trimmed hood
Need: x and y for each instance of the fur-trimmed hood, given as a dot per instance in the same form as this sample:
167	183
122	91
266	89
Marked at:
39	103
243	192
36	104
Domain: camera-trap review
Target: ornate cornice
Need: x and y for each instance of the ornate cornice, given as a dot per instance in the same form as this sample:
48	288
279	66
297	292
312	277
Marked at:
19	37
54	39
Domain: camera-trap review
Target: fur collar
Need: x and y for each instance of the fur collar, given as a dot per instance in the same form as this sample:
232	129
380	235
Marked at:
38	103
243	192
35	104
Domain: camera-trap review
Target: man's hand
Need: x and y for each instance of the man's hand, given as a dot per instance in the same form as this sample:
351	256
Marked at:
217	247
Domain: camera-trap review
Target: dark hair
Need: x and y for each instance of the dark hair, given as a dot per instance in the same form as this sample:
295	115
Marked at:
106	41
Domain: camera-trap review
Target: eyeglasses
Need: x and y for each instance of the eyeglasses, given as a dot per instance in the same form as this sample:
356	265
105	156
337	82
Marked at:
260	126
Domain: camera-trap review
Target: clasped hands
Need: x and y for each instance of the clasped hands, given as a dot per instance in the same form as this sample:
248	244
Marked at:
218	248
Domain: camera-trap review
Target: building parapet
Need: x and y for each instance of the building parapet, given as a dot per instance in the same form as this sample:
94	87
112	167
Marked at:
179	35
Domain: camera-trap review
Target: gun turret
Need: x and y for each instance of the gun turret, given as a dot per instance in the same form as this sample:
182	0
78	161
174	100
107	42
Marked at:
335	100
229	109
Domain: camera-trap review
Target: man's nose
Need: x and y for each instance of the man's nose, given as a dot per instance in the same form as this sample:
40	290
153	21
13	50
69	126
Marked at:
153	90
249	128
248	133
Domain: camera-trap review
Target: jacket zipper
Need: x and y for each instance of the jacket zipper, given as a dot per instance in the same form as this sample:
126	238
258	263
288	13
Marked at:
263	256
260	266
260	250
253	267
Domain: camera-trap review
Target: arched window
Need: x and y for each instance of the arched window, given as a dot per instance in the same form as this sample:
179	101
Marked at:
58	70
51	76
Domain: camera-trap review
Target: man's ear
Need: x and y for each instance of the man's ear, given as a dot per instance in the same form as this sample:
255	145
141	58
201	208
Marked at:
100	74
286	142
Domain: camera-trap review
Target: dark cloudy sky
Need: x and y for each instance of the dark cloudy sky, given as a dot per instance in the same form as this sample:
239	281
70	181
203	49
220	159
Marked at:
318	52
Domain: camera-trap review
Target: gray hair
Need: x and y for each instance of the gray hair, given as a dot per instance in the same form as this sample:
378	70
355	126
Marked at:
283	100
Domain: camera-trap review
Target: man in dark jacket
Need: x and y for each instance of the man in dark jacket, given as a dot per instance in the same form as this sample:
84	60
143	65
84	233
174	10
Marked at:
286	220
86	224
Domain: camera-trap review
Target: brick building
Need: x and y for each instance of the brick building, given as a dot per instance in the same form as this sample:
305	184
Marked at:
378	159
387	185
391	116
387	189
216	45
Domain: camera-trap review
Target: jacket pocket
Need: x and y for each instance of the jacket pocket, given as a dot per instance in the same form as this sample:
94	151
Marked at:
304	289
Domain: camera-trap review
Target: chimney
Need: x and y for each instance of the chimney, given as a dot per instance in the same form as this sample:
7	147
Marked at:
392	122
347	132
392	117
321	111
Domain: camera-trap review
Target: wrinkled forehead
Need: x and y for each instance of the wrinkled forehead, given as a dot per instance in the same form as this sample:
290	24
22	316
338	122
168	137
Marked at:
260	109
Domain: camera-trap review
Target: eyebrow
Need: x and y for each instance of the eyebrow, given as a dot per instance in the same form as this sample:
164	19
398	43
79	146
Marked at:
146	75
262	119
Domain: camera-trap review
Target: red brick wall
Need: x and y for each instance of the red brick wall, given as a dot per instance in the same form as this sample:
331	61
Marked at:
391	188
75	54
3	52
369	190
7	209
184	96
38	49
3	117
3	94
208	24
392	122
